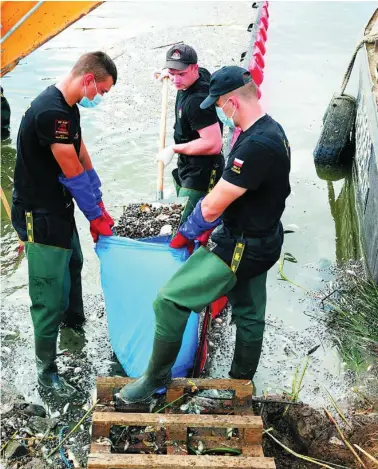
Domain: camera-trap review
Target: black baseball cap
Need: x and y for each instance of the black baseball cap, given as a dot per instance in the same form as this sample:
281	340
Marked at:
225	80
180	56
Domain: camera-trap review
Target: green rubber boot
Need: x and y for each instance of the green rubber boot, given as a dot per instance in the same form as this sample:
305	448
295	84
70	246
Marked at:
158	373
48	377
245	362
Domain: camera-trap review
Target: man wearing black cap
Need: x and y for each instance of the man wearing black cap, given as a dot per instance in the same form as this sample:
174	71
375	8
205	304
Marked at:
197	135
249	200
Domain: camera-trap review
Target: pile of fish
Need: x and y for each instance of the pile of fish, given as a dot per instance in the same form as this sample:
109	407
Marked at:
146	220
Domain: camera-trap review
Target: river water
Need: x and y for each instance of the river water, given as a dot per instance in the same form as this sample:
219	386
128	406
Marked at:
309	46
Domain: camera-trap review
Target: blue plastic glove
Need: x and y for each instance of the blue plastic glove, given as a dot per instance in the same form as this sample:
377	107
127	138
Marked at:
81	189
95	183
194	226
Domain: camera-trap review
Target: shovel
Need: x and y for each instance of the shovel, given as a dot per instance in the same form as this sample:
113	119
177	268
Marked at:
163	131
162	135
159	198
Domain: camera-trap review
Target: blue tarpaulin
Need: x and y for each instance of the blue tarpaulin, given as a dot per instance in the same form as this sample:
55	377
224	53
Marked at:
132	272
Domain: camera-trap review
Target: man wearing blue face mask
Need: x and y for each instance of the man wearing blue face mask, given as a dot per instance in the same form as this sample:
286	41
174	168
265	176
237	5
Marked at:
53	167
247	204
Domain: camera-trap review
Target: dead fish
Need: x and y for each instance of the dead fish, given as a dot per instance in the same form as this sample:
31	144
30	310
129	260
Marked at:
72	457
165	230
103	441
200	448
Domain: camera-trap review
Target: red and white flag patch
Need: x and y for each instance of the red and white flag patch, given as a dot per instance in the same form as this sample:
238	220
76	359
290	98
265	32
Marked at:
238	163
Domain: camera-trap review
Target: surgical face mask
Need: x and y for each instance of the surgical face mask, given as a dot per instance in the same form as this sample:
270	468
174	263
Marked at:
88	103
228	121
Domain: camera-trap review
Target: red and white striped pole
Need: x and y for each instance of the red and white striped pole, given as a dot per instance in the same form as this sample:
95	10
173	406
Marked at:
256	62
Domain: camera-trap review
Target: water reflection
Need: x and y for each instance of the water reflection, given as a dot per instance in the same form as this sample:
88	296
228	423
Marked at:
343	211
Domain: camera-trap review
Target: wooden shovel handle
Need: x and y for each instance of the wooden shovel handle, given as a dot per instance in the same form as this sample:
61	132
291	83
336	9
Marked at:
163	129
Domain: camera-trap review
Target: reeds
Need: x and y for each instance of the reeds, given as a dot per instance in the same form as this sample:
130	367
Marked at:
352	321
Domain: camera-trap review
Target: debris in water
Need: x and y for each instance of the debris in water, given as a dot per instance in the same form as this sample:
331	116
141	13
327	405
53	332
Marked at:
146	220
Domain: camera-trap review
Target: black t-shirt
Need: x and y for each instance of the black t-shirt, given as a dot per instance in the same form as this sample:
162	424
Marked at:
259	162
49	119
194	171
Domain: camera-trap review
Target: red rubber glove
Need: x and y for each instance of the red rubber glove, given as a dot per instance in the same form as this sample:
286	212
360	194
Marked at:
180	241
204	237
106	214
100	226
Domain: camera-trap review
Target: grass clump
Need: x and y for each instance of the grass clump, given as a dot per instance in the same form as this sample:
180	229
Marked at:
352	321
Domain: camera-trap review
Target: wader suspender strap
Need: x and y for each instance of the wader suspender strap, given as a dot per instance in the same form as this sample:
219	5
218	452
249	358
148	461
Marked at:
238	254
29	226
213	175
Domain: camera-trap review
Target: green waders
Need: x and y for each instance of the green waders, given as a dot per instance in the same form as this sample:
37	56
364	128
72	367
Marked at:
248	301
202	279
49	290
193	195
74	315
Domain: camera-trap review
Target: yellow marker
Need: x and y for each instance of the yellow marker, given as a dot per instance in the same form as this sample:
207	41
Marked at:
237	256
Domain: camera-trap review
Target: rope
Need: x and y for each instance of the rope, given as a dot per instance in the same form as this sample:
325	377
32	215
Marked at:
61	450
365	40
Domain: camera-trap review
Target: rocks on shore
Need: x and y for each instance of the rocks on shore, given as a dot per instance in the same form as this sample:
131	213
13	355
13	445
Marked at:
15	450
23	427
35	410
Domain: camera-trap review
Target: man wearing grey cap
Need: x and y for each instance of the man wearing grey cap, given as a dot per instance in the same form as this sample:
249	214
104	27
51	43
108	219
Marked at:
197	132
247	204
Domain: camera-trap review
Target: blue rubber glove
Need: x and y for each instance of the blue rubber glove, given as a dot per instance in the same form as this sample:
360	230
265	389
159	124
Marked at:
95	183
194	226
81	189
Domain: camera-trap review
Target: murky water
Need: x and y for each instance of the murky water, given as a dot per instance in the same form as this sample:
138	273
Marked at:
309	46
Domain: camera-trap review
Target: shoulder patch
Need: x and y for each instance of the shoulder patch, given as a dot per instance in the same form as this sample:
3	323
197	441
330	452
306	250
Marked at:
62	129
237	165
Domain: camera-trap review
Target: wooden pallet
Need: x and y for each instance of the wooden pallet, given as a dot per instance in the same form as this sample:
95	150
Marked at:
175	432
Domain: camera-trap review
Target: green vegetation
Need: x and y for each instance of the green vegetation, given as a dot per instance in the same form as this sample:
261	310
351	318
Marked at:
352	321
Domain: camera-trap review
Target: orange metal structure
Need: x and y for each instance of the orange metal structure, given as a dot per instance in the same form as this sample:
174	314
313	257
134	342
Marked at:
27	25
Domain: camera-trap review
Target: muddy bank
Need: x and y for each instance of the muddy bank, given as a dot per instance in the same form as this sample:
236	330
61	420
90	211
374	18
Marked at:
309	432
81	357
36	430
30	432
31	435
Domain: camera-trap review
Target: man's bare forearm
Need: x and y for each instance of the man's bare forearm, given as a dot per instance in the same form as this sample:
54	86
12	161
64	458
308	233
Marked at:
84	157
199	146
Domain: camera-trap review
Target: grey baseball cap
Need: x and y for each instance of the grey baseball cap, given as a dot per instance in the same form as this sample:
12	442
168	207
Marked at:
180	56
